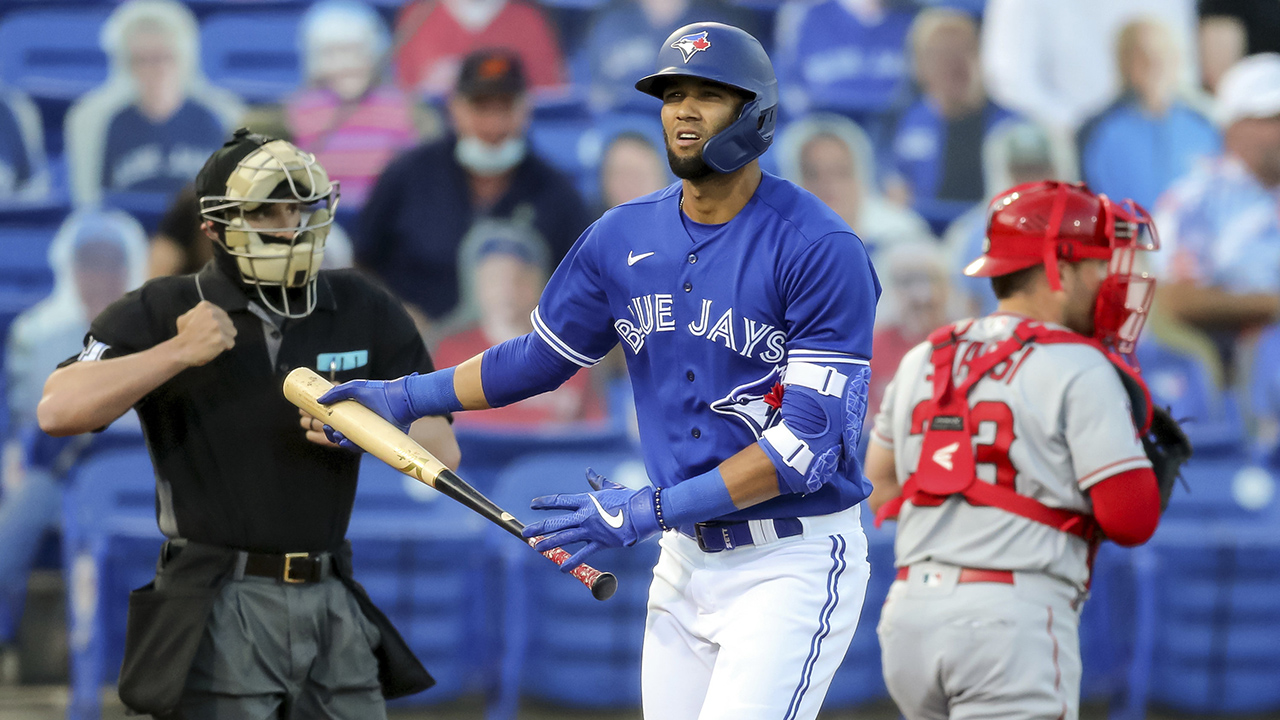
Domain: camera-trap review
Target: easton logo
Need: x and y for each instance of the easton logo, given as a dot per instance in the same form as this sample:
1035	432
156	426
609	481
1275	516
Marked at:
691	45
943	455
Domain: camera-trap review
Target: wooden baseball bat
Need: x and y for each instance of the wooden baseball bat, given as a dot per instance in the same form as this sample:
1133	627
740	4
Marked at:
386	442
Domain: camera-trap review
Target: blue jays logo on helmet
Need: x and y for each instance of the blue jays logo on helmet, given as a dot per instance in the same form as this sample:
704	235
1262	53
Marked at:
691	45
747	403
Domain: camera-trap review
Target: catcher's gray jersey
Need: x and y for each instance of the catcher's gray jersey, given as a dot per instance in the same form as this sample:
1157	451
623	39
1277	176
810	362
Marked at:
1052	421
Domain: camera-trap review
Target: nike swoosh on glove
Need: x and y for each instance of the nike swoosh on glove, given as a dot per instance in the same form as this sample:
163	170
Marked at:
612	516
388	398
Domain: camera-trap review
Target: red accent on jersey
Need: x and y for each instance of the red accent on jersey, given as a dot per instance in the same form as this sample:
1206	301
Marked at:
773	398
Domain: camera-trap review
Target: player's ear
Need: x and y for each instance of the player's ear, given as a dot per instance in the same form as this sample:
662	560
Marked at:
207	228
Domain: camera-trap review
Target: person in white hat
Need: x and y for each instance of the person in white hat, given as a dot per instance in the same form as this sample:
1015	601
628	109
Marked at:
1220	225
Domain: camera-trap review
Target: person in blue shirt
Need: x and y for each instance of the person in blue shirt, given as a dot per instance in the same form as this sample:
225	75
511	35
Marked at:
844	56
935	143
149	128
426	200
1149	137
745	309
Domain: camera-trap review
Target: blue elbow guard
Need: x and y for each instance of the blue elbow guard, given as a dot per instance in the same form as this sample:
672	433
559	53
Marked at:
821	424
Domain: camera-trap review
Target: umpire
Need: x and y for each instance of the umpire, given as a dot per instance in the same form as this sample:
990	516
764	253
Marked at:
253	612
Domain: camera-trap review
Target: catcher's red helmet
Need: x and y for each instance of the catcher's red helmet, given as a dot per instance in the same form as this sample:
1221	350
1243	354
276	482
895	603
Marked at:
1042	222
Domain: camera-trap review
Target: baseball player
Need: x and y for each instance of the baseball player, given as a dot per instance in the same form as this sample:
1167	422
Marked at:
745	309
1008	447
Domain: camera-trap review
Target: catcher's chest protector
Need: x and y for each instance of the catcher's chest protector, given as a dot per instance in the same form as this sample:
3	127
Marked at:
946	465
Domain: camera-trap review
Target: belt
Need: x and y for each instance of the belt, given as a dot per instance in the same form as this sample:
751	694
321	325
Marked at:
972	575
714	537
292	568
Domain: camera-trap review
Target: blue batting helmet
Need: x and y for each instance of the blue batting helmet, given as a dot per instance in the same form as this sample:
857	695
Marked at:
730	56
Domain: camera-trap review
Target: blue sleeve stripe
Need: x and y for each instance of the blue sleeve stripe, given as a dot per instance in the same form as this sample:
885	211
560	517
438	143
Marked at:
561	347
825	356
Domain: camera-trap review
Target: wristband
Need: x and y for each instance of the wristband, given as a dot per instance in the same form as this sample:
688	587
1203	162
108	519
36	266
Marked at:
432	394
698	499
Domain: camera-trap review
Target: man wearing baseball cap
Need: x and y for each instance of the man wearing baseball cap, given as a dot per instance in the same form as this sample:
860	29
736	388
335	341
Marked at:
1221	223
427	200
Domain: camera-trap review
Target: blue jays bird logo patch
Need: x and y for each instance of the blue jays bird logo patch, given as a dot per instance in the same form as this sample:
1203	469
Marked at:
691	45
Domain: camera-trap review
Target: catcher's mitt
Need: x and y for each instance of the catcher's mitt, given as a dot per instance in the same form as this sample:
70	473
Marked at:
1168	448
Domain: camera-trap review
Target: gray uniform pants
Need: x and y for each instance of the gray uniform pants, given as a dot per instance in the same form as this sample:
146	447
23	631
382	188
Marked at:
981	650
278	651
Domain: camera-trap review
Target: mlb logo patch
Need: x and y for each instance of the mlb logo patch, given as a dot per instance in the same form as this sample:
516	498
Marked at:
691	45
931	579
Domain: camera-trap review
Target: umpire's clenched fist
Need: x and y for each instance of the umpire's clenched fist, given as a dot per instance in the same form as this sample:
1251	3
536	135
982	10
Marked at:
204	332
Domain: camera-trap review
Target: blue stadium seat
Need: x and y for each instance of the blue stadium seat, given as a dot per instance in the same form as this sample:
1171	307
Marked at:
420	556
253	54
556	141
53	53
1218	617
1180	382
110	544
557	639
1224	487
486	453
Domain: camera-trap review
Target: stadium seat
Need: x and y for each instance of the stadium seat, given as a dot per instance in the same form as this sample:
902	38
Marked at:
53	53
556	141
420	556
555	638
1227	486
1218	617
1179	381
110	544
253	54
486	453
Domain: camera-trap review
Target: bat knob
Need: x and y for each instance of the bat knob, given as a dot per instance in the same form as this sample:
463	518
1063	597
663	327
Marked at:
604	586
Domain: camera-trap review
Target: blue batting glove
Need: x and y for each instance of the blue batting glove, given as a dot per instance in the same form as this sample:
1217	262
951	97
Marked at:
337	438
388	398
612	516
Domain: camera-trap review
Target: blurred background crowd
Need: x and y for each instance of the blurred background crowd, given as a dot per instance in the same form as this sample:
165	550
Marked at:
475	140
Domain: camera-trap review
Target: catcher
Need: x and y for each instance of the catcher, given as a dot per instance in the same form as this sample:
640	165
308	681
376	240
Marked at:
1008	448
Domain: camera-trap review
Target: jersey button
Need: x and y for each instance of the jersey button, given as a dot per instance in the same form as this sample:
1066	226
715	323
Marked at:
275	334
692	258
696	433
689	375
688	287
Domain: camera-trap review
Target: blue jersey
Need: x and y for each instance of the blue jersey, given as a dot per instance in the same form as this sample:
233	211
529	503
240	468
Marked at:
708	320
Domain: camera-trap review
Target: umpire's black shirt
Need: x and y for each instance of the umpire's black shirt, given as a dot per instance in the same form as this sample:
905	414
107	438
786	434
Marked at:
233	467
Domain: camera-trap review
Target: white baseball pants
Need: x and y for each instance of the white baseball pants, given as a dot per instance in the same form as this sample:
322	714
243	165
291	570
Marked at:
756	632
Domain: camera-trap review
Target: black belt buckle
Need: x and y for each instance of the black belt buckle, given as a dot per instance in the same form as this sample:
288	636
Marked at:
306	574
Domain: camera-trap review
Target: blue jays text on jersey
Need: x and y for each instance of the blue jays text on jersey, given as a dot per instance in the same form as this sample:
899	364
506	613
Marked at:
709	315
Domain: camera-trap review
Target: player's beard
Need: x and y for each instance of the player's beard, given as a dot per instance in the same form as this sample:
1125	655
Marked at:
693	168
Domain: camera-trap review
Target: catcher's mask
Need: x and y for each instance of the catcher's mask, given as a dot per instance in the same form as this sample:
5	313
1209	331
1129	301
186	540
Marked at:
1040	223
252	171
